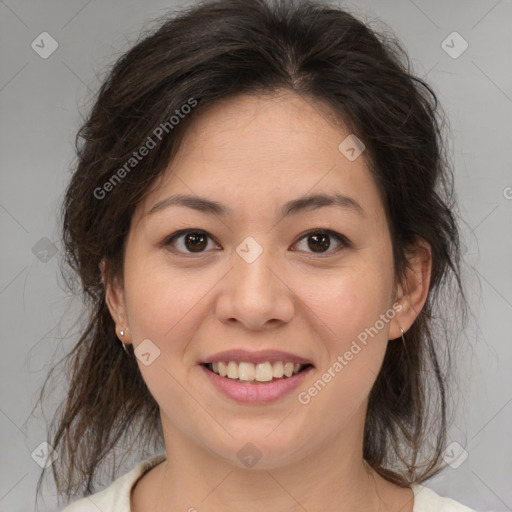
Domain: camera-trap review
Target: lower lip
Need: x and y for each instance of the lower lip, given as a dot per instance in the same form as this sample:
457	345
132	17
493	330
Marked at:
256	393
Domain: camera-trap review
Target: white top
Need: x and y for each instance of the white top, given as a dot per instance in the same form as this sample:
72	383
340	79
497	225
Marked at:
116	497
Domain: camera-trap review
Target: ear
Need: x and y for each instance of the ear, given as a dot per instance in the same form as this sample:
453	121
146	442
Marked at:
114	297
414	291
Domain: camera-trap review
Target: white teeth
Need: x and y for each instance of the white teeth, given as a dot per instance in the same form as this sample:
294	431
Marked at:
232	370
246	371
261	372
264	372
222	369
278	369
288	369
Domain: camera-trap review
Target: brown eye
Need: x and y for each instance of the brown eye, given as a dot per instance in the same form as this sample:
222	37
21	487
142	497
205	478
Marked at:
320	241
195	242
189	241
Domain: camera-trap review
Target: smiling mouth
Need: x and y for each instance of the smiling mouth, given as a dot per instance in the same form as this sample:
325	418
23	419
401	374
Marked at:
260	373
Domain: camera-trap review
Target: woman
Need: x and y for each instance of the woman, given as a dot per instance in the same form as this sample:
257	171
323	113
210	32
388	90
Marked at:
262	220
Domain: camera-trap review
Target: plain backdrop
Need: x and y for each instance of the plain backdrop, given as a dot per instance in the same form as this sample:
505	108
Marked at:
41	101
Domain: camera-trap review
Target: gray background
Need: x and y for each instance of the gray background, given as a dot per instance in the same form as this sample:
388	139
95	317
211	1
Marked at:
40	104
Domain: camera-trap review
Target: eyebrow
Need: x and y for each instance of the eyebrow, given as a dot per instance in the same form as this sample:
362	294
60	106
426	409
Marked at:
303	203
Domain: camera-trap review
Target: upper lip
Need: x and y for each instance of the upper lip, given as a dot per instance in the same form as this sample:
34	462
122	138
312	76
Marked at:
261	356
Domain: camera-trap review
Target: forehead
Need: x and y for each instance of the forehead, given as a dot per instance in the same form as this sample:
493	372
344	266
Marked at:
250	150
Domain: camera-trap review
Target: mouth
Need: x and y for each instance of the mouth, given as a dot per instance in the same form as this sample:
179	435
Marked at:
245	372
255	383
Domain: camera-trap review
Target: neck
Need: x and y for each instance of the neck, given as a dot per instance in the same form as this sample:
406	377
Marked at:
332	477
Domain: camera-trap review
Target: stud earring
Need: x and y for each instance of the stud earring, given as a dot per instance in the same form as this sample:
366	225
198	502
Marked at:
403	339
125	348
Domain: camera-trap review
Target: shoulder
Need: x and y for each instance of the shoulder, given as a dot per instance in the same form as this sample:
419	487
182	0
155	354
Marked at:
116	497
426	500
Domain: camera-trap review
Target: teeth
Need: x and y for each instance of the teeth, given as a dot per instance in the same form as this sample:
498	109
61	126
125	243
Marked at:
264	372
278	369
232	370
222	369
246	371
261	372
288	369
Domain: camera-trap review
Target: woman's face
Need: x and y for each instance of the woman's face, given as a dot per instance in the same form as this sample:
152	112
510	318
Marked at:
249	279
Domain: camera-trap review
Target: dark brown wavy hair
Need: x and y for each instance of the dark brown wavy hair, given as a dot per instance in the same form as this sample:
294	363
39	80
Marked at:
212	51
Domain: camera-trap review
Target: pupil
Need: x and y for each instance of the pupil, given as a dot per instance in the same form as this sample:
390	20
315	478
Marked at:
197	240
322	239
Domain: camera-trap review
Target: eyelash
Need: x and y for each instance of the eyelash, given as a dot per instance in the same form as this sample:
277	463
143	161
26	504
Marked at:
344	242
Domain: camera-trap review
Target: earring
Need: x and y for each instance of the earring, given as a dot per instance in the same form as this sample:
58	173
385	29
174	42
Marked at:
403	339
125	348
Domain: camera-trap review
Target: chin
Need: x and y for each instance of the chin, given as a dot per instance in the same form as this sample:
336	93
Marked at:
256	449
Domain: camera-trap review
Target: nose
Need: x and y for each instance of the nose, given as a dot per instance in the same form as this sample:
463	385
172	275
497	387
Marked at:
256	293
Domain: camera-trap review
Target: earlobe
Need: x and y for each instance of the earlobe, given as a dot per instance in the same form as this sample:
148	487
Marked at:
114	297
413	293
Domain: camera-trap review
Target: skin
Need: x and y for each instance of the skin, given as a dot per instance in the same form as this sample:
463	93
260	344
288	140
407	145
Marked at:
254	153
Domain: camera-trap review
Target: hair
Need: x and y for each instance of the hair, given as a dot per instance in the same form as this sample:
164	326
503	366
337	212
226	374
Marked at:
216	50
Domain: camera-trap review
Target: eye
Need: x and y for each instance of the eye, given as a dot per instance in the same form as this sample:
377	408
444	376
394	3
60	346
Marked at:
319	240
190	240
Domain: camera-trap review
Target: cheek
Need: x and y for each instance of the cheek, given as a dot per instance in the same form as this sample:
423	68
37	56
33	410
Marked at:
163	307
354	356
354	316
350	302
161	303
